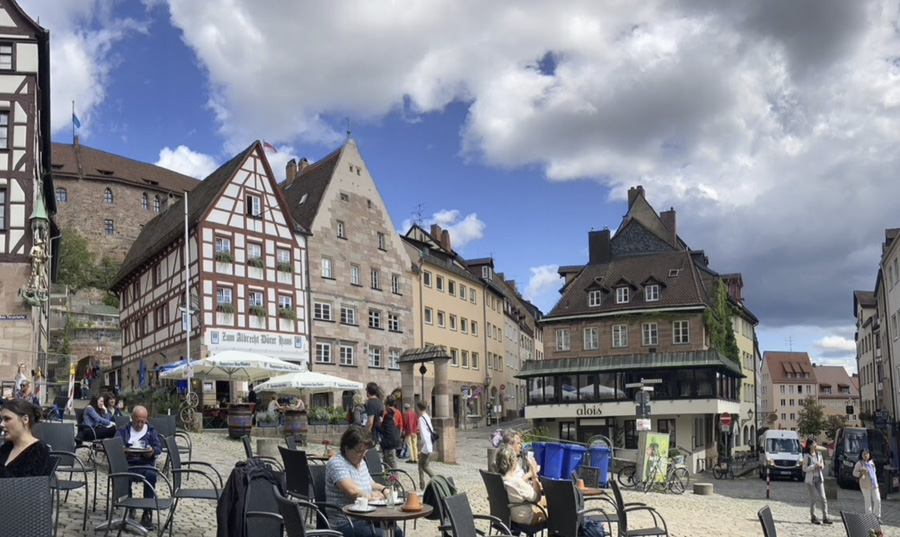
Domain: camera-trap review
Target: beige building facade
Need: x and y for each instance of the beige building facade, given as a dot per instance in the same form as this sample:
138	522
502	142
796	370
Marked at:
868	350
837	394
787	379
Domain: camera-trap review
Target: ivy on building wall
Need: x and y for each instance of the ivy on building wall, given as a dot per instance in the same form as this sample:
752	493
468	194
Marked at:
719	326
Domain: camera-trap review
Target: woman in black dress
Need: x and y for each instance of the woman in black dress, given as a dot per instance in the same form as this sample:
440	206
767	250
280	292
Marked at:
22	455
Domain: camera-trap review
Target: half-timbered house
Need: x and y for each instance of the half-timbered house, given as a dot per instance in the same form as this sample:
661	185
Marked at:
26	199
247	267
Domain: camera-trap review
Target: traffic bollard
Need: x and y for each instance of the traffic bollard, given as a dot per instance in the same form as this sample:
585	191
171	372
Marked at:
768	483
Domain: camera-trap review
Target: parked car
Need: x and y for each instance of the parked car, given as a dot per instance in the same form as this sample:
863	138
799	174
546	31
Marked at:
780	454
849	441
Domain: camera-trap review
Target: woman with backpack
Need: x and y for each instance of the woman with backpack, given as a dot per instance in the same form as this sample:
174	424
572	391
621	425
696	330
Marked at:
389	430
357	414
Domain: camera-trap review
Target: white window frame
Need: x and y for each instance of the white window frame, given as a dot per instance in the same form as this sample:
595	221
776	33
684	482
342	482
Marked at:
620	336
376	357
649	334
283	255
376	279
354	275
429	316
464	354
563	340
651	293
323	311
254	206
323	353
474	328
254	248
681	332
395	284
472	298
327	268
341	230
475	364
347	355
451	287
622	295
255	298
463	325
426	278
223	245
393	322
454	357
285	302
382	243
439	284
453	322
595	298
463	292
348	315
441	319
591	338
393	358
375	320
224	296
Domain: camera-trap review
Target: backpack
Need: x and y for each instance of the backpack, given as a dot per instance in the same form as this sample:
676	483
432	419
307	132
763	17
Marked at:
358	416
438	488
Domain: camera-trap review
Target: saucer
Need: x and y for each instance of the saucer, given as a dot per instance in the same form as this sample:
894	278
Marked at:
411	509
367	509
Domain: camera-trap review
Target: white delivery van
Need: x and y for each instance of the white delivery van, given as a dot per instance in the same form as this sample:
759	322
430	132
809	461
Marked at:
780	454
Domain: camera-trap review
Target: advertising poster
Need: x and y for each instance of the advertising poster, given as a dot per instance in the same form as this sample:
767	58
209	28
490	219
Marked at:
654	452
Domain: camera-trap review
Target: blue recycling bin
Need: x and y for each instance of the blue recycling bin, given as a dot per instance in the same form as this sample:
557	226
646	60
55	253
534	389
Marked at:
600	459
573	459
538	448
554	461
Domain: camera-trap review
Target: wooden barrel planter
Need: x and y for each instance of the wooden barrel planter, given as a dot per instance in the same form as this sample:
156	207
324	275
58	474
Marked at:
240	420
296	424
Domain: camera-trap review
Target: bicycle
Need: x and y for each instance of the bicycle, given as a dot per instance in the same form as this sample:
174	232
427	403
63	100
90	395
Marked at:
723	469
188	411
677	476
626	476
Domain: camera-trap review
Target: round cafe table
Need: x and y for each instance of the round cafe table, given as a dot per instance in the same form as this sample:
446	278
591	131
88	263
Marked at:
387	518
588	492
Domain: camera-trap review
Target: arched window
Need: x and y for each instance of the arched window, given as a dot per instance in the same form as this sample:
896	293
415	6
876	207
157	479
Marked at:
62	196
109	197
156	204
145	201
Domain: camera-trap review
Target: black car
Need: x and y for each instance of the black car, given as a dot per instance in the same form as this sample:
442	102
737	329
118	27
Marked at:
848	443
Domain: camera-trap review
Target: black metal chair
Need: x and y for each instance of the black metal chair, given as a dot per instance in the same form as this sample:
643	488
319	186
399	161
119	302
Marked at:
622	509
566	512
296	472
119	489
261	509
291	442
377	471
95	445
317	481
292	517
179	492
768	523
590	476
27	506
859	524
248	450
462	520
121	421
498	499
168	426
60	438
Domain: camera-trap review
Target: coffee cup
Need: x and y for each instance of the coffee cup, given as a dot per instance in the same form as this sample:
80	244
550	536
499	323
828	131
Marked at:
362	503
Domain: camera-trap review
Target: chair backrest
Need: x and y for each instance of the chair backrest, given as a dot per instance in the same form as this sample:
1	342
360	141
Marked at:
767	522
620	504
60	402
317	476
28	502
296	471
248	446
373	461
292	514
261	498
859	523
60	437
121	421
562	506
174	460
79	416
115	456
460	514
497	495
291	442
164	425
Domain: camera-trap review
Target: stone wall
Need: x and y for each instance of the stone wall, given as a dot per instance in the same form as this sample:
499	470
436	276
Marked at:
16	336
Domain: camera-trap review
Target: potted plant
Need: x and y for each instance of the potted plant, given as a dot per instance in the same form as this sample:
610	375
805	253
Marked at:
285	267
225	257
256	262
338	416
259	311
268	419
318	416
287	313
227	308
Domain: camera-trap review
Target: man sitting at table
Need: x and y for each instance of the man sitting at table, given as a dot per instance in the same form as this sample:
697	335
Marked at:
347	478
143	445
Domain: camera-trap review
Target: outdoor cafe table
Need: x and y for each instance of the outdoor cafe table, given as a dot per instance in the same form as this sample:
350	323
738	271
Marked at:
589	492
387	518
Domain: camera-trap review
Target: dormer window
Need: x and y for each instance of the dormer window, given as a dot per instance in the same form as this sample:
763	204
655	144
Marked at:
623	295
651	293
594	298
674	272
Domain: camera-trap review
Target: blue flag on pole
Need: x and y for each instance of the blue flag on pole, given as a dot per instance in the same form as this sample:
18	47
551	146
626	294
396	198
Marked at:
75	121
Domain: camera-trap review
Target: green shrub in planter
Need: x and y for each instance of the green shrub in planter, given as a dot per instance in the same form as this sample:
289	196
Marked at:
259	311
224	257
288	313
285	267
256	262
319	414
225	308
268	419
338	416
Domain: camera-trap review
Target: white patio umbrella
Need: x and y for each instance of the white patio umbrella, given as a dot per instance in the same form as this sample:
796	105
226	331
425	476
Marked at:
235	365
307	382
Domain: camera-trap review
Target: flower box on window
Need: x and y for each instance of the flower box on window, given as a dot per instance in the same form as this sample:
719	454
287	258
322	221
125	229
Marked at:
225	308
256	262
285	267
287	313
259	311
224	257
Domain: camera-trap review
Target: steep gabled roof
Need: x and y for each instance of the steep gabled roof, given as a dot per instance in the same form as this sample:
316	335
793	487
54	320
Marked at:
304	194
169	225
781	363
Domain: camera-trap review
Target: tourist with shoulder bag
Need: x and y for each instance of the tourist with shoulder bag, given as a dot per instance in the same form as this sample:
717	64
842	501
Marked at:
815	482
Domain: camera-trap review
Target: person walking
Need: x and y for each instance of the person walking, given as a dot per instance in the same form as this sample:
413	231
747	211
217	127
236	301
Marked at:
411	430
374	410
426	445
389	432
815	482
864	471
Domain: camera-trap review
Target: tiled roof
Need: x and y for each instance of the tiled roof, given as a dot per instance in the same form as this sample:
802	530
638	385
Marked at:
309	187
685	289
837	378
103	166
168	226
865	299
780	364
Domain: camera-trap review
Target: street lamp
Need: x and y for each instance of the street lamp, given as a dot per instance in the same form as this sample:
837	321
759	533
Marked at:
487	398
423	370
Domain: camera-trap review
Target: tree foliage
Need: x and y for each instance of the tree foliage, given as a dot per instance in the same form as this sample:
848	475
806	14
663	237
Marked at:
719	324
811	419
832	423
78	267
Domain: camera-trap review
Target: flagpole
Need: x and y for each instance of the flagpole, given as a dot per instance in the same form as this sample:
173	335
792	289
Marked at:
187	292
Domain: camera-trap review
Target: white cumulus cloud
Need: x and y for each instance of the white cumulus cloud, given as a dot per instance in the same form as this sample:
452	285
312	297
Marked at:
543	286
463	229
183	160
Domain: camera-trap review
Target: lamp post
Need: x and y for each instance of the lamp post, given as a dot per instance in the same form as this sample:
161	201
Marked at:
423	370
487	398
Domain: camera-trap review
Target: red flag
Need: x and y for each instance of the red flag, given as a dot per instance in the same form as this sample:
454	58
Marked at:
269	147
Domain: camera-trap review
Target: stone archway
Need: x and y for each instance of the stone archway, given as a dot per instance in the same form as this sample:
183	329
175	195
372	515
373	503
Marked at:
411	363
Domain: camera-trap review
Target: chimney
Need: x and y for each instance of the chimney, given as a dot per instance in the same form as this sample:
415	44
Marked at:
436	232
304	163
599	247
445	240
290	172
633	193
668	220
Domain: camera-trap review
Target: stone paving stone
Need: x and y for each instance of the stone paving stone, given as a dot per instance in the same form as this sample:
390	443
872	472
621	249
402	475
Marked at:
731	510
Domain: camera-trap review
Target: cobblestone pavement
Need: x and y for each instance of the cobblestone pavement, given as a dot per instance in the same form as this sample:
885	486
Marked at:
730	511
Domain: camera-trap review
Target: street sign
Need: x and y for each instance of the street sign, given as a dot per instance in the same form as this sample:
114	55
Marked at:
725	419
465	391
503	387
641	398
643	425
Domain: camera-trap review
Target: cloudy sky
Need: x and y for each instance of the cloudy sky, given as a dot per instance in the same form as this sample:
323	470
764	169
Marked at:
771	127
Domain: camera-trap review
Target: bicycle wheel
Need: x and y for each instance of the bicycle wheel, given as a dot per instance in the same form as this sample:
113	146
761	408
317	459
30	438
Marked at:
187	418
648	484
717	472
192	399
730	472
626	476
678	483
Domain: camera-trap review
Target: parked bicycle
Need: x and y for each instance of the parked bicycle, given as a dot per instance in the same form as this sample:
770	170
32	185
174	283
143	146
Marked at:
723	469
677	475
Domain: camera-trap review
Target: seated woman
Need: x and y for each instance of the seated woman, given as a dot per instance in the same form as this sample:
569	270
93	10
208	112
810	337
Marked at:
97	423
22	455
111	402
518	489
347	478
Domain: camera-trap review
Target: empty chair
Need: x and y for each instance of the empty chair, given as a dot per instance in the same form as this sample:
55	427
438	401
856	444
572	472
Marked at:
296	472
168	426
248	450
462	521
768	523
61	439
27	506
292	517
209	489
622	509
291	442
377	470
498	499
859	524
565	512
119	486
